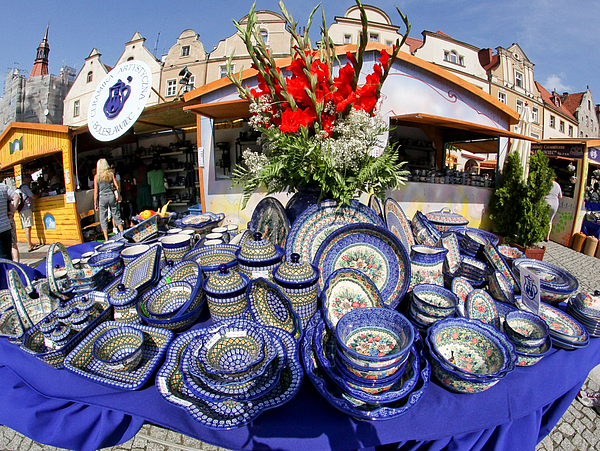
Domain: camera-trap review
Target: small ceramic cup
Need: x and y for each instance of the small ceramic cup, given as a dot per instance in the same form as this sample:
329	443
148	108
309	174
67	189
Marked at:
211	242
223	232
213	237
232	230
174	231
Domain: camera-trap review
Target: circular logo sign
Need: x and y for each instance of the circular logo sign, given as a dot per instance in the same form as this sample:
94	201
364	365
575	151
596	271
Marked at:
119	100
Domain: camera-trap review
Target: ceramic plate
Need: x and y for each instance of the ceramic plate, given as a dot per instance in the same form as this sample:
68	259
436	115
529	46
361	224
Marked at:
586	305
325	348
144	270
227	414
375	205
81	361
270	220
461	288
496	261
398	223
345	290
373	250
449	241
270	307
321	220
551	276
350	406
480	305
563	326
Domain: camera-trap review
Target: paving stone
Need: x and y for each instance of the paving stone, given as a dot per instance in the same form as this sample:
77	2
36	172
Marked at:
158	432
566	429
174	437
153	446
566	445
139	442
578	426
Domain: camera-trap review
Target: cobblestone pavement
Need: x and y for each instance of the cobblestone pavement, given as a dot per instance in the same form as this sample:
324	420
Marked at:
579	428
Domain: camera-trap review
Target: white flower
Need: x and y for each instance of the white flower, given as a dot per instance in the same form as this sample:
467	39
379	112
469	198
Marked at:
254	161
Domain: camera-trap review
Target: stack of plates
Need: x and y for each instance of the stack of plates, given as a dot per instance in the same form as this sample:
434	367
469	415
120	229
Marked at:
473	270
472	242
586	309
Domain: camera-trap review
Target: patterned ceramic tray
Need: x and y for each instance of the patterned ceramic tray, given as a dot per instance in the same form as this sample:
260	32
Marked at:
563	326
270	220
480	305
497	262
450	242
372	250
376	206
144	270
345	290
461	288
320	220
144	231
341	401
81	361
227	414
270	307
552	277
398	223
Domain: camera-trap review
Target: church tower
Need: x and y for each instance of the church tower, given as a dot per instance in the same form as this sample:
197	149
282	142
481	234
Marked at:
40	66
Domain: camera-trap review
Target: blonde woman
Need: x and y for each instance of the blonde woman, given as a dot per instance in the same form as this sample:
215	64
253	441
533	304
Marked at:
106	194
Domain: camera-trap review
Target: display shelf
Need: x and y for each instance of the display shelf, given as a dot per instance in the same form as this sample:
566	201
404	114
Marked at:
177	187
171	154
179	204
174	170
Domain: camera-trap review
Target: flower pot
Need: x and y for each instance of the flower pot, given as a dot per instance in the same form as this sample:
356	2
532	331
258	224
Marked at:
536	253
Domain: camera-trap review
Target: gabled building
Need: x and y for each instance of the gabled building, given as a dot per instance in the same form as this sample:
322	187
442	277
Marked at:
581	106
557	121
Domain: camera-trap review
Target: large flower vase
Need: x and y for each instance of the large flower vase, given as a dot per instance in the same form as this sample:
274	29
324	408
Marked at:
426	265
300	201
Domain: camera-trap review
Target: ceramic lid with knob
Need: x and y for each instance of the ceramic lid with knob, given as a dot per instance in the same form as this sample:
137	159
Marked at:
258	251
84	303
295	273
446	217
225	283
79	316
123	296
59	333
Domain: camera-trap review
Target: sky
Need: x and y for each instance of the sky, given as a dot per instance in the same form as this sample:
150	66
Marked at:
558	36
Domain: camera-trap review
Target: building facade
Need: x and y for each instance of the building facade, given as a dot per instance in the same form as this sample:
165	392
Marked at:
558	122
581	106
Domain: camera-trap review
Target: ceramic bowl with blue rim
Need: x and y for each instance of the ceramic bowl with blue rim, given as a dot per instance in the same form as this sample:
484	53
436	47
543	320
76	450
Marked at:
527	356
371	374
510	253
210	258
471	349
458	384
422	318
119	349
434	300
375	335
130	253
556	284
111	246
167	300
526	328
111	262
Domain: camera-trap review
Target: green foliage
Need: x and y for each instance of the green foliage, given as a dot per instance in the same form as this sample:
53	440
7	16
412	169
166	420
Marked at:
519	211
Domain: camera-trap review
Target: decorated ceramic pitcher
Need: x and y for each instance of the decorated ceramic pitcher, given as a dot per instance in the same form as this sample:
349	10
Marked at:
426	265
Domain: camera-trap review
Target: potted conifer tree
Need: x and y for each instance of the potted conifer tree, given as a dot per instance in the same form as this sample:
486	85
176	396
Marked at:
518	210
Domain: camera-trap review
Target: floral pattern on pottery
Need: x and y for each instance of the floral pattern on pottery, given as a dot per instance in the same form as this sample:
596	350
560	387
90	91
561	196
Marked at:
426	264
480	305
461	287
398	223
497	262
269	218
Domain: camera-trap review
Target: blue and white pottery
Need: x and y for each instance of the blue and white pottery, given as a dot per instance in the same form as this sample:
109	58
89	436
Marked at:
526	328
226	294
110	246
446	218
424	231
176	246
556	284
111	262
210	257
530	356
123	298
119	349
169	299
434	300
426	265
130	253
259	257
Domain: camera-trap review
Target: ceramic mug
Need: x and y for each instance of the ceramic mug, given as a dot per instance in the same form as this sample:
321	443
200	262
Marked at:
213	236
132	252
211	242
223	232
232	230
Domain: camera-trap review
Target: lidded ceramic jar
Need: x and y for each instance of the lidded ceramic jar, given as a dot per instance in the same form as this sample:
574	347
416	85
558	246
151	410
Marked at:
226	294
63	312
123	302
299	282
79	318
57	337
259	257
446	218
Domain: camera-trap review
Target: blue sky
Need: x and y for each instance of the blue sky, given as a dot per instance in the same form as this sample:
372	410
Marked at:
557	36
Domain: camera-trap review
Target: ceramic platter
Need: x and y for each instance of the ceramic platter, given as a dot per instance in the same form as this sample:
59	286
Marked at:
270	220
375	251
480	305
341	401
563	327
81	361
461	287
450	242
497	262
345	290
170	384
144	270
376	206
270	307
319	221
551	276
398	223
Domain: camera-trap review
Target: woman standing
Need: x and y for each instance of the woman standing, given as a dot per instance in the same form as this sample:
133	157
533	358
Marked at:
552	198
106	195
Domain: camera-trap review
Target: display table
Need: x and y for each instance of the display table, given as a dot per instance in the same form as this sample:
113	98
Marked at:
590	228
62	409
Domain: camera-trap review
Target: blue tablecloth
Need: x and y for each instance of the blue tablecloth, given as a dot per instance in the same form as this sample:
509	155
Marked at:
590	228
75	251
59	408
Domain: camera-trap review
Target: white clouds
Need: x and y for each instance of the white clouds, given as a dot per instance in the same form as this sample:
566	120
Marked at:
555	83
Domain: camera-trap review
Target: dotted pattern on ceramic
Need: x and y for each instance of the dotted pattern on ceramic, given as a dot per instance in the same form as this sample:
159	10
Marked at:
169	299
145	230
304	301
144	270
257	250
119	349
426	265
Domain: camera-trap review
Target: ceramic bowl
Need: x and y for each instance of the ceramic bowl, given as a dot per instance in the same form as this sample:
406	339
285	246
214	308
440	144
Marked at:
371	386
434	300
130	253
510	253
458	384
556	284
179	323
119	349
209	258
169	299
111	262
370	374
526	328
423	318
531	356
499	287
111	246
374	335
233	349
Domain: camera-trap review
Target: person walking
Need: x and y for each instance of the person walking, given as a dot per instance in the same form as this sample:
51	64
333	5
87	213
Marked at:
552	198
106	195
10	198
156	180
26	212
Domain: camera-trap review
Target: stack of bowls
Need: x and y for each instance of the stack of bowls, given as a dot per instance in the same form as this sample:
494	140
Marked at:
211	257
371	349
585	308
236	360
430	303
472	243
473	270
556	284
530	334
119	349
169	301
469	356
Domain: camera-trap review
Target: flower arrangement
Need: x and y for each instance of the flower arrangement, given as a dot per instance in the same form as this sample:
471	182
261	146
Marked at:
318	129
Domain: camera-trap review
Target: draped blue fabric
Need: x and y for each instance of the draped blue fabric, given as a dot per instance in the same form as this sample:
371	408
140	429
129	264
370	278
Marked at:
62	409
590	228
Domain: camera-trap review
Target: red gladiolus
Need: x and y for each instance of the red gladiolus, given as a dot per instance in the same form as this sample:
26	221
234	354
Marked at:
327	123
384	59
295	87
292	120
351	57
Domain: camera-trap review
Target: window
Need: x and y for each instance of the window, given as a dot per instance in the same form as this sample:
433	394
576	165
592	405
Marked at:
589	105
519	79
552	121
90	77
185	50
171	87
347	39
571	131
190	84
535	115
502	96
373	37
223	71
561	126
453	57
264	35
519	106
389	43
76	108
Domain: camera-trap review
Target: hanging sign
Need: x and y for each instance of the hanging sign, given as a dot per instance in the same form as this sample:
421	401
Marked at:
119	100
530	290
